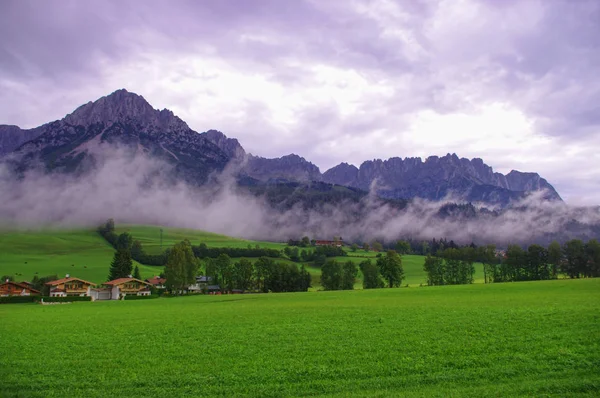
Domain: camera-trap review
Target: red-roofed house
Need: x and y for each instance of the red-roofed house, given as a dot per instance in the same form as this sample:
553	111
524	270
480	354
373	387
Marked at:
70	287
157	282
127	286
9	288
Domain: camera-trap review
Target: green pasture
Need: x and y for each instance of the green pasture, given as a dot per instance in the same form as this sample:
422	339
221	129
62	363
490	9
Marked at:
512	339
149	236
80	253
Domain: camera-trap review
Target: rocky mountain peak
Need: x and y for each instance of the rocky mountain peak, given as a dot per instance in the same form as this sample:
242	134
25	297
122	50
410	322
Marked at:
230	146
123	106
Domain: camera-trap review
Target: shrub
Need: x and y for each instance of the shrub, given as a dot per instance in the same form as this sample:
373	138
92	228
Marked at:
18	299
67	299
132	297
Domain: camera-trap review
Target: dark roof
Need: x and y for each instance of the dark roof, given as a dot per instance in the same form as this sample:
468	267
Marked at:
213	287
22	285
203	278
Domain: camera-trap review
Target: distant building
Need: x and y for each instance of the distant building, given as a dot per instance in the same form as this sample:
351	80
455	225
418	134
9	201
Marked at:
70	287
9	288
337	242
157	282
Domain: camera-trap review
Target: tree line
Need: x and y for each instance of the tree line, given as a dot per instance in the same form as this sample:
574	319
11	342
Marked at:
386	271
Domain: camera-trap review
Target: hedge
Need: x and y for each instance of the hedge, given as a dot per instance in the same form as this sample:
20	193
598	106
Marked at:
18	299
132	297
37	299
65	299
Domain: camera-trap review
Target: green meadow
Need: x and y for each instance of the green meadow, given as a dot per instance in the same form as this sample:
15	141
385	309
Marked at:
512	339
85	254
149	236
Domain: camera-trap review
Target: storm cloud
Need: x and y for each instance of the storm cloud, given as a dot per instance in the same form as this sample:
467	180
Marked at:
512	82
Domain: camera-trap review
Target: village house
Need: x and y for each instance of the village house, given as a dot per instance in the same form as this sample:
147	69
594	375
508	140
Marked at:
70	287
126	286
9	288
157	282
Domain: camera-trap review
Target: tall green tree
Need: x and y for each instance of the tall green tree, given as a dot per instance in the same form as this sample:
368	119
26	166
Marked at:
181	267
575	258
349	273
376	246
592	249
136	273
403	247
121	265
262	270
390	267
243	274
555	257
331	275
371	276
434	267
124	241
224	270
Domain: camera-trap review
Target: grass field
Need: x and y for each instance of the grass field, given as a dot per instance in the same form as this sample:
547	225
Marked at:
514	339
150	237
81	253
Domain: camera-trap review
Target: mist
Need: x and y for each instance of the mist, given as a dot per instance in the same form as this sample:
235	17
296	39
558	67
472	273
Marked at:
142	190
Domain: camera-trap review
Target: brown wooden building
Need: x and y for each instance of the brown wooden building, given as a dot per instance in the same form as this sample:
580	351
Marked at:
69	287
9	288
127	286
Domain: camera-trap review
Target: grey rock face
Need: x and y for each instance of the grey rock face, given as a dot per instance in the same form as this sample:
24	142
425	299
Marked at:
439	177
289	168
230	146
128	120
11	137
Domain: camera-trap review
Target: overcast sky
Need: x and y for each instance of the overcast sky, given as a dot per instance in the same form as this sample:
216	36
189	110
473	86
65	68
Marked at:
514	82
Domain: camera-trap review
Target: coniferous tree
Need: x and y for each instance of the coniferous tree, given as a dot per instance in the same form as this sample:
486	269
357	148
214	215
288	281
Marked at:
136	273
121	265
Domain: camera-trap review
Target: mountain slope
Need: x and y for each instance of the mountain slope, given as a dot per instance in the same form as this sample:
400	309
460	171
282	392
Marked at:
439	177
74	144
126	119
11	137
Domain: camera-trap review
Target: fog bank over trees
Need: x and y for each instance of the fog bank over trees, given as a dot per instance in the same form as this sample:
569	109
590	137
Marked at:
141	190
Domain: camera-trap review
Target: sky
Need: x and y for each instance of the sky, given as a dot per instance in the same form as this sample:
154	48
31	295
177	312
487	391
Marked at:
514	82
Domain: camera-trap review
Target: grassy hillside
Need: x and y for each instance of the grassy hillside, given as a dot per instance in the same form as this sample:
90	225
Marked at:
149	235
514	339
81	253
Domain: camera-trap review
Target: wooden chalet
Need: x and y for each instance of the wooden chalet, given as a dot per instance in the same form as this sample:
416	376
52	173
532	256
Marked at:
70	286
127	286
9	288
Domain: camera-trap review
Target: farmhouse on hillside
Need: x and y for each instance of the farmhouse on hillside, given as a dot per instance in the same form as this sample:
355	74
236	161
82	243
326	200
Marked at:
127	286
9	288
336	242
70	287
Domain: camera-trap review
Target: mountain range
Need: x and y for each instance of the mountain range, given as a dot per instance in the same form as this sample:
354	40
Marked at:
128	120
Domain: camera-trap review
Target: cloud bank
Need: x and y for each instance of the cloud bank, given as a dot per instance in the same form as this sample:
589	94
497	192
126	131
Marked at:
141	190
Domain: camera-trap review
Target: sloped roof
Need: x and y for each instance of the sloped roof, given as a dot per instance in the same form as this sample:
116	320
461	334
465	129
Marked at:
157	280
21	285
64	280
120	281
